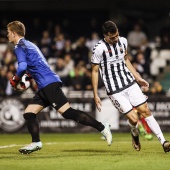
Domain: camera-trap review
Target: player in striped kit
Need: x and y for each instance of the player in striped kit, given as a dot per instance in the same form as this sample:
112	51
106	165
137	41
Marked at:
121	82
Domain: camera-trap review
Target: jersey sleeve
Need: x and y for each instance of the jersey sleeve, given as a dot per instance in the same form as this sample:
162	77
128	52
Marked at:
126	43
96	59
21	57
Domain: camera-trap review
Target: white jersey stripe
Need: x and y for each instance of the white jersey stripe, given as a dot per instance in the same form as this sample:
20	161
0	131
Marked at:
120	75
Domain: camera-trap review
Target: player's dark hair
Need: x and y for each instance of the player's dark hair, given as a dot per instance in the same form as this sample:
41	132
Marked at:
18	27
109	26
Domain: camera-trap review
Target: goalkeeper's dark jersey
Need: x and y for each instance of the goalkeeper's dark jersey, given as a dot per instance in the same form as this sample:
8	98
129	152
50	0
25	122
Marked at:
37	65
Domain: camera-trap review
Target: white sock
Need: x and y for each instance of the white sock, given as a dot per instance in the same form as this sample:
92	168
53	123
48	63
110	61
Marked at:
154	126
134	129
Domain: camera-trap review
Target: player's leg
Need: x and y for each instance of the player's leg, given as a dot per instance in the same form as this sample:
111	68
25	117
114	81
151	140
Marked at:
121	102
33	128
138	100
148	133
133	123
32	123
154	126
140	125
58	100
36	105
143	127
83	118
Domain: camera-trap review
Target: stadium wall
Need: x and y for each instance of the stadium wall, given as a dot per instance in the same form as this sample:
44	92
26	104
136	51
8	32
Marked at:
12	108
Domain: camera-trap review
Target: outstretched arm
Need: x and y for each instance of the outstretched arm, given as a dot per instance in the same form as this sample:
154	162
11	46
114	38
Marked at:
144	84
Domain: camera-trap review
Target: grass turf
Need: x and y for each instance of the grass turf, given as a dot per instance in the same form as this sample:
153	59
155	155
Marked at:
82	152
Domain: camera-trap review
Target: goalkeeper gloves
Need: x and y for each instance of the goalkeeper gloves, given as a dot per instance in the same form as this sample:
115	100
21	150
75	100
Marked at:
14	81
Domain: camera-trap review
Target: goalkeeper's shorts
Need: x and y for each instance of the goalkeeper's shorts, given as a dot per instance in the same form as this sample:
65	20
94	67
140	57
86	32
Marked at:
51	95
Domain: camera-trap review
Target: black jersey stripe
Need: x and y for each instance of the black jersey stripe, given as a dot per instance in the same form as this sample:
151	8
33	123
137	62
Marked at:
95	47
120	75
130	75
125	87
124	46
116	51
114	77
125	73
106	71
120	46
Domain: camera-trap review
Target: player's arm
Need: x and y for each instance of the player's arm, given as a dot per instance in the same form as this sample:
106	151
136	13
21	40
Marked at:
95	72
22	63
131	68
22	66
139	79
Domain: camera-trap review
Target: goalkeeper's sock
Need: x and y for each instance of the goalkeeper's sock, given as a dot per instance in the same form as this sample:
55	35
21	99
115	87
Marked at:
33	126
83	118
154	126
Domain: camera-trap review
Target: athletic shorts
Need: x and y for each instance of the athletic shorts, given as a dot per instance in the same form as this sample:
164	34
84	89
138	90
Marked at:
51	95
127	99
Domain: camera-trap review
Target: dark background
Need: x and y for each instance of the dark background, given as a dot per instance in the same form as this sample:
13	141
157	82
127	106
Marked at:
81	17
78	5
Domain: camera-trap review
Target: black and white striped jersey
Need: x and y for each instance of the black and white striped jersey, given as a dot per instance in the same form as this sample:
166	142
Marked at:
114	72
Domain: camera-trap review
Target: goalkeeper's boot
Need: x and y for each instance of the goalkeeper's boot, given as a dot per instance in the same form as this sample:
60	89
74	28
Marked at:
135	142
107	134
34	146
166	146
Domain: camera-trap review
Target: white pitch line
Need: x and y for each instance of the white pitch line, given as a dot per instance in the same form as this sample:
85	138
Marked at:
9	146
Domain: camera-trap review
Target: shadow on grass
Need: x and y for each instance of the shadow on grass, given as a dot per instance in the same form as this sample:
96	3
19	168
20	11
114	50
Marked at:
62	153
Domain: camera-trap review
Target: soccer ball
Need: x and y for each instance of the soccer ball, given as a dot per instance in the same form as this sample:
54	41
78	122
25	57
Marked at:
23	84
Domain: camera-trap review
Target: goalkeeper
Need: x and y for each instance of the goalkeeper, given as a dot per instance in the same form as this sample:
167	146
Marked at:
49	93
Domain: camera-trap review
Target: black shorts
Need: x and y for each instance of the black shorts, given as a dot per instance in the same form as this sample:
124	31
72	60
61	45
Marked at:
51	95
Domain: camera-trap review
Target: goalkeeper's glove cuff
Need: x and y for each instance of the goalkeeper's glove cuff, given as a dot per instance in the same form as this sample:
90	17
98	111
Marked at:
14	81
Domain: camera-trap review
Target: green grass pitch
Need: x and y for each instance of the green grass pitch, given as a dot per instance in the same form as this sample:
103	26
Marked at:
82	152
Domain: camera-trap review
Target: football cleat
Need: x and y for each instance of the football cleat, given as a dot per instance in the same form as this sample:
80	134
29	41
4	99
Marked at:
135	142
166	146
107	134
34	146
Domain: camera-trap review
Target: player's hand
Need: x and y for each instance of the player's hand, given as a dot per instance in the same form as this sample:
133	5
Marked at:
14	81
98	102
144	84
